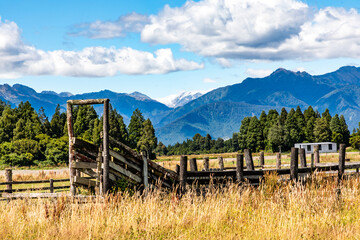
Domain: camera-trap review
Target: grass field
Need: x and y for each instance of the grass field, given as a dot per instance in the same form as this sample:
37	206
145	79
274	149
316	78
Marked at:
272	211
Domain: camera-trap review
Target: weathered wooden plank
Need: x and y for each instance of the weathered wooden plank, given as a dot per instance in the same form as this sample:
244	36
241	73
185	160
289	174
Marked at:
164	171
294	163
89	172
278	160
87	147
316	154
193	165
69	120
183	171
87	165
34	189
125	172
86	101
84	181
120	158
262	159
221	163
83	158
239	167
341	162
106	155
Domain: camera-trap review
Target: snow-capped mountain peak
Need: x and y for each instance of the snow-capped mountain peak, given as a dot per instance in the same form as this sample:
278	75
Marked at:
177	100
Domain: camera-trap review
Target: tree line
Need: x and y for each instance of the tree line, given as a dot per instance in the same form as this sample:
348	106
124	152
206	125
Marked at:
272	131
28	137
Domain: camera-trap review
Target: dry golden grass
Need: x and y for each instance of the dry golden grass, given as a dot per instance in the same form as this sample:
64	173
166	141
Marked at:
273	211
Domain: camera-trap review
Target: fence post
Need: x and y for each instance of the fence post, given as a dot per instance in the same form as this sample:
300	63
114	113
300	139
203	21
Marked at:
316	154
249	159
106	155
341	162
99	185
51	185
262	159
177	169
294	164
183	173
278	160
8	178
312	161
145	171
193	165
302	157
206	163
221	163
72	171
239	168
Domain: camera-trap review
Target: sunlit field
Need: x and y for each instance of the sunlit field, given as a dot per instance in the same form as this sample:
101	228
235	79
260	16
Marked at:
272	211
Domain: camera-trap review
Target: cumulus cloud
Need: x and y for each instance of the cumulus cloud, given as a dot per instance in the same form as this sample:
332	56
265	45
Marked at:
18	59
209	80
258	73
133	22
257	29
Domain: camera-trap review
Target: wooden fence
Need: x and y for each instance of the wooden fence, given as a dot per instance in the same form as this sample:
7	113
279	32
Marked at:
252	176
9	184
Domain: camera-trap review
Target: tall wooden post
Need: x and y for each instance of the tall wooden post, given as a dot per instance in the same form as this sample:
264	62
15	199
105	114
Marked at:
221	163
294	164
8	178
99	185
72	171
51	185
249	159
145	170
316	154
193	165
239	168
341	162
312	161
106	155
177	168
278	160
302	157
206	163
183	173
262	159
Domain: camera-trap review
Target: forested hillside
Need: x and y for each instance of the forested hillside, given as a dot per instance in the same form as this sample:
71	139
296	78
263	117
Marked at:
28	137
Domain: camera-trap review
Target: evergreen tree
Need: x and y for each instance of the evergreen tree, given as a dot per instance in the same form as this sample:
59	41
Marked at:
235	142
56	125
135	128
7	124
117	127
309	130
301	124
263	124
254	135
276	136
322	132
243	132
326	115
147	141
292	133
28	124
344	130
309	113
283	116
44	120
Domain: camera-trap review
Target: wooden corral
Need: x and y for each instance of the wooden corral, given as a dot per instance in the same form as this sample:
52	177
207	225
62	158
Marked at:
104	166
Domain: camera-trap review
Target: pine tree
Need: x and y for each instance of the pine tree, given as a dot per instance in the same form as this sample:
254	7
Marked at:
292	133
243	132
7	124
30	125
322	132
301	124
117	126
56	124
147	141
135	128
254	135
344	130
309	130
44	120
283	116
276	136
309	113
326	115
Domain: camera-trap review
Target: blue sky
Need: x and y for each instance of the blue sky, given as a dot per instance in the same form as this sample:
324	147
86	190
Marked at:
164	47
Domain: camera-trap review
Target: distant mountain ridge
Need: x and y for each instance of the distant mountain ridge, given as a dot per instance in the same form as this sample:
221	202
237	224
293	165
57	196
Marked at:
219	112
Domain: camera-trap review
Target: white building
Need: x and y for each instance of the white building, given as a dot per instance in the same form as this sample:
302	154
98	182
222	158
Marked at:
324	147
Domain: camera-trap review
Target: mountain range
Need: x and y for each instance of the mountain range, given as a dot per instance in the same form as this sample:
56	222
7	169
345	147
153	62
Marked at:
220	111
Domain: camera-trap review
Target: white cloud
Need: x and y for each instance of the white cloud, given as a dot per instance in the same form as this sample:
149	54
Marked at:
133	22
257	29
258	73
18	59
209	80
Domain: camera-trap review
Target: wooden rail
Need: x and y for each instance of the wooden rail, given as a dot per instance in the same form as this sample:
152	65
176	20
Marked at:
9	184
